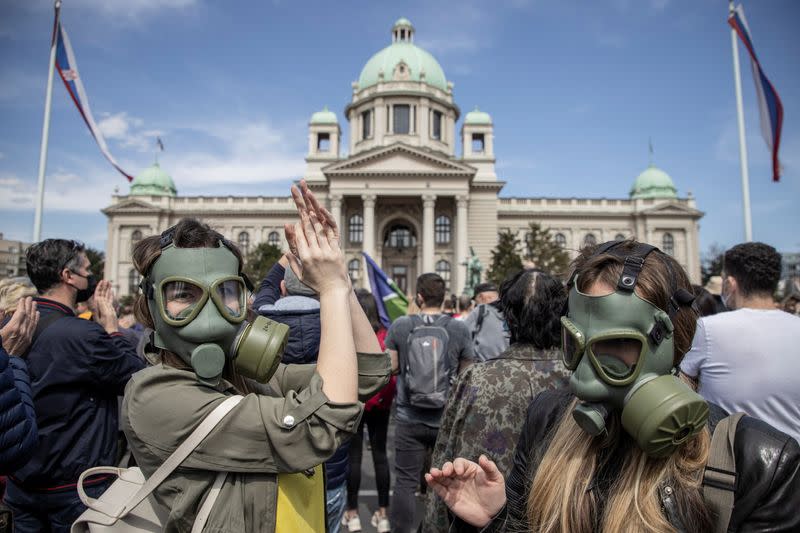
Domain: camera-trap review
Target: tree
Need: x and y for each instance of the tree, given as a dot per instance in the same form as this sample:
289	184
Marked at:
98	261
505	258
543	251
260	260
712	262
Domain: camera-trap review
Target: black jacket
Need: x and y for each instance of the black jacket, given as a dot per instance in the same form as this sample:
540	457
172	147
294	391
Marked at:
77	371
767	464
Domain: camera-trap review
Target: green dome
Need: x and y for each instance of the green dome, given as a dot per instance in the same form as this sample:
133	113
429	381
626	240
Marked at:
153	182
324	117
403	50
653	183
477	117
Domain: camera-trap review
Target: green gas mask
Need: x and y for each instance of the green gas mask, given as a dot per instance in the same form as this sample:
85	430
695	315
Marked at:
198	301
620	348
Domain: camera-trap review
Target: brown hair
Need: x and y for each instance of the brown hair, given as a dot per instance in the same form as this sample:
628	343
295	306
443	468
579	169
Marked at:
188	233
559	498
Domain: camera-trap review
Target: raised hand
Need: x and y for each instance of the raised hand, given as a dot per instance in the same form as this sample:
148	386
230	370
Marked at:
105	315
17	334
325	216
473	491
315	254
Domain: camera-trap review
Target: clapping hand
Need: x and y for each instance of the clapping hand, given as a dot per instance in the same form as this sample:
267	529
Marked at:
315	257
17	334
474	491
105	315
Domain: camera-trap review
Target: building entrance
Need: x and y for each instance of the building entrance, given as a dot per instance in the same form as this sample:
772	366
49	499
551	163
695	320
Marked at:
399	254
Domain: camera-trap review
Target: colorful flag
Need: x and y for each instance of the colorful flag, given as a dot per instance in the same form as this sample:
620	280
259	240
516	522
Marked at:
769	103
68	70
391	301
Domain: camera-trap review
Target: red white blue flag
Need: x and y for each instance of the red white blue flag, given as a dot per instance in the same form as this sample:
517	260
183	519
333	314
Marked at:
68	70
769	103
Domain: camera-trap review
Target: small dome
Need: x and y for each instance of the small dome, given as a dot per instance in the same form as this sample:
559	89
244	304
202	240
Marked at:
654	183
324	117
153	181
402	50
477	117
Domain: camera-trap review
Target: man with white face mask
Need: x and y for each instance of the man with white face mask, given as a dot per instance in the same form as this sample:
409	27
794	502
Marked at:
748	359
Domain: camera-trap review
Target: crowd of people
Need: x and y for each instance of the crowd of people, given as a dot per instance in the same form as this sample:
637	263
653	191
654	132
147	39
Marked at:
601	401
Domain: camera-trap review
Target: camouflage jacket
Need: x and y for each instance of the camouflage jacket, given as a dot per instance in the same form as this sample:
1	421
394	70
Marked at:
485	412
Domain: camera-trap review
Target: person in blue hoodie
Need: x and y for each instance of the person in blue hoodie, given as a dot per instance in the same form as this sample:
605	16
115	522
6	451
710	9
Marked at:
18	434
282	297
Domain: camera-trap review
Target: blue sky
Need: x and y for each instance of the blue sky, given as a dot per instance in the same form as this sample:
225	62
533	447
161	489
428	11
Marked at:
575	88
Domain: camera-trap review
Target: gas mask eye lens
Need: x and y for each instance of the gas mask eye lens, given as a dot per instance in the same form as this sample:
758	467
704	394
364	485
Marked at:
230	293
181	298
617	357
571	343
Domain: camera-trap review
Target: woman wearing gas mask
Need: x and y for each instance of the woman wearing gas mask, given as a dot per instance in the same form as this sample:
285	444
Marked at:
625	448
292	417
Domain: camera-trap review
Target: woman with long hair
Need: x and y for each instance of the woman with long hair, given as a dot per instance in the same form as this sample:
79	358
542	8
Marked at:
291	417
625	448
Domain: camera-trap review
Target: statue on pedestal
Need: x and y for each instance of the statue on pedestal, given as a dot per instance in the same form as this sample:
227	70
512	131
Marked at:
474	270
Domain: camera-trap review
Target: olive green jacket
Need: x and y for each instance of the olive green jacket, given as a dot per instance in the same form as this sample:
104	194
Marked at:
290	428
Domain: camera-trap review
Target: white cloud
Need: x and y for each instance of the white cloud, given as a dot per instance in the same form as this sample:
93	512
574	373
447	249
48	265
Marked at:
127	131
63	192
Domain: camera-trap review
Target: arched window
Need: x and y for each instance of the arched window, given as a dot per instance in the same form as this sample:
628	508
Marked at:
353	268
355	228
668	244
589	240
274	238
133	281
560	240
136	236
442	229
619	237
443	269
400	236
244	242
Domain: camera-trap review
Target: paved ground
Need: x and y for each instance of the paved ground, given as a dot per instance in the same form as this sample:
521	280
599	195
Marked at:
368	495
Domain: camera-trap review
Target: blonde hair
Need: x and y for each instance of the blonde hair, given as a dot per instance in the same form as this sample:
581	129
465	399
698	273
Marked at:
560	499
12	290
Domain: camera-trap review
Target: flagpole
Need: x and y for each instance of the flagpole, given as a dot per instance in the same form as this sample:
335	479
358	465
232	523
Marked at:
37	221
748	224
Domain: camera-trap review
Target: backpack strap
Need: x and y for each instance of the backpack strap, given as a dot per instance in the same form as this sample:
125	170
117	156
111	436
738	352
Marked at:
719	478
479	323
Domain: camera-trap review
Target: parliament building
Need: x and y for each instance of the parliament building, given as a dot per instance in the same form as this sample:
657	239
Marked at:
402	195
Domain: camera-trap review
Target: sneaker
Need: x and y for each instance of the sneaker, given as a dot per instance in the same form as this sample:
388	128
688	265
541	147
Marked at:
381	523
352	524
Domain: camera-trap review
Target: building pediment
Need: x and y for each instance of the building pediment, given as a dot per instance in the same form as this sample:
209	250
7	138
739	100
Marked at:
399	159
672	209
131	205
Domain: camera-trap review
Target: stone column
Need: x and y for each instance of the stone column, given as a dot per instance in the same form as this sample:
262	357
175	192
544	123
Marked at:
115	262
428	204
368	246
336	211
461	244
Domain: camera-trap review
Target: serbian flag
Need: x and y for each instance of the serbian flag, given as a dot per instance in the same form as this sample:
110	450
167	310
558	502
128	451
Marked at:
390	300
68	70
769	103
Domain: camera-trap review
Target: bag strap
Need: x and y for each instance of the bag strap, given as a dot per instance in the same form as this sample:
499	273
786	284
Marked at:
719	478
181	453
205	509
482	312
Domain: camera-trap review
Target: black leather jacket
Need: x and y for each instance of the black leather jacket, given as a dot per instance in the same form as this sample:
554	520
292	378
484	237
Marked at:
767	464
